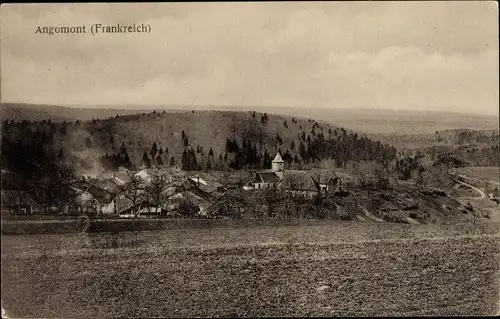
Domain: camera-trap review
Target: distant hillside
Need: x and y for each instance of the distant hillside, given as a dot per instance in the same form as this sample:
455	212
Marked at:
202	139
56	113
472	147
392	121
439	138
360	120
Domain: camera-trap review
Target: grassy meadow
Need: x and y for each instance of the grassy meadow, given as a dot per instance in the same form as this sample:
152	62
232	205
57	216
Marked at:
481	172
235	268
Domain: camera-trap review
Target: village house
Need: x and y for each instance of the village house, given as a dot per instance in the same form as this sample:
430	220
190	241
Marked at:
19	202
120	177
96	196
94	200
15	199
202	190
194	198
205	186
126	208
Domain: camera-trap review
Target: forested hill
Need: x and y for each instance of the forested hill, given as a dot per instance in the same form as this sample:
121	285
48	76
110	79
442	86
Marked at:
190	140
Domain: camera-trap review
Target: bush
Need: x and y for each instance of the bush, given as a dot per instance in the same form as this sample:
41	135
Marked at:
187	208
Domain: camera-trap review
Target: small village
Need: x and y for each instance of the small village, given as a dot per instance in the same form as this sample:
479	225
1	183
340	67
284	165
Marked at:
154	192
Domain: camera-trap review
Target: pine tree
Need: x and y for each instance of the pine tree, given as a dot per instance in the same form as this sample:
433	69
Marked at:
279	141
159	161
186	142
285	125
185	160
211	152
145	160
60	156
287	157
264	119
183	135
302	151
154	150
172	161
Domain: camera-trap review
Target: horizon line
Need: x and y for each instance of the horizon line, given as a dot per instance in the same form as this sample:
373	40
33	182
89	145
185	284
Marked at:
186	107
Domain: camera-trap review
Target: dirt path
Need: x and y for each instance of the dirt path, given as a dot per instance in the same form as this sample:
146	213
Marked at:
481	193
412	221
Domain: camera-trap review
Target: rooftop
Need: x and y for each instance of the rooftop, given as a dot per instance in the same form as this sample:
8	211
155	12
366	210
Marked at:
267	177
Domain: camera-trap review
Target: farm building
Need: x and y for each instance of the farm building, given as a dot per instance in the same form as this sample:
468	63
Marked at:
96	196
266	180
207	181
209	190
202	203
19	202
144	175
95	199
310	183
120	177
142	208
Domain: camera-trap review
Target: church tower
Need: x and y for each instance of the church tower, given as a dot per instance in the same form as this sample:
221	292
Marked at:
278	166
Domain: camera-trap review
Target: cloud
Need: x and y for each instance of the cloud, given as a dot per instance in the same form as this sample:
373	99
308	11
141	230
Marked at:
436	55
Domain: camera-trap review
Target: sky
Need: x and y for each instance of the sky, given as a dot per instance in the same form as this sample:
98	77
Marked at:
440	56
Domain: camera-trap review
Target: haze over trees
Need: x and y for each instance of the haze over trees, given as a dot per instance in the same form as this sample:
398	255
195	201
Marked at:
196	141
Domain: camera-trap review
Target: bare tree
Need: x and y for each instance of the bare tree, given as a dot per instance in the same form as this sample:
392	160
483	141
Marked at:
226	174
381	178
361	177
292	182
52	189
155	191
134	191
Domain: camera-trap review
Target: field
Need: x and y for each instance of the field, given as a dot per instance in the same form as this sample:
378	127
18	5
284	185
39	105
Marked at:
308	268
482	173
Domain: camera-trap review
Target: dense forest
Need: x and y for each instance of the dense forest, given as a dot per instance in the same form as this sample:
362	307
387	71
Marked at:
242	140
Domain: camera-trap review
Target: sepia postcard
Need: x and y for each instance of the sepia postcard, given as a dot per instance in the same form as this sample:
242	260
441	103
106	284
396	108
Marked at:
250	159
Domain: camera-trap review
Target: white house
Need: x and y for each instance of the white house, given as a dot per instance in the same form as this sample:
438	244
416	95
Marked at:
95	200
143	175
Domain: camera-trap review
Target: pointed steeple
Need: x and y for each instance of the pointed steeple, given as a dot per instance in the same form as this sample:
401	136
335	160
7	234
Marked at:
278	159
